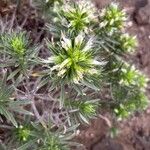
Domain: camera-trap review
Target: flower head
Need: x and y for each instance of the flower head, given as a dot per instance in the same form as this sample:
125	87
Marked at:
127	42
131	76
88	108
78	15
135	102
23	133
73	58
112	18
17	43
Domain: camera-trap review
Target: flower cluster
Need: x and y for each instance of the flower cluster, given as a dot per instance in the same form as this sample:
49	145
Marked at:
112	18
23	133
76	16
127	43
131	76
84	110
66	81
87	110
33	135
73	59
131	105
130	91
18	52
15	44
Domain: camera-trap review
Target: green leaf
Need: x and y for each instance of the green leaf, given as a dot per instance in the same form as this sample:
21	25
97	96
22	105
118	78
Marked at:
8	115
13	74
27	145
90	85
19	102
83	118
78	89
22	111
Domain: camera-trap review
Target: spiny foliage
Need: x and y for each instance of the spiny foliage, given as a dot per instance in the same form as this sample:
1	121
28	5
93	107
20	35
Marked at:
112	18
78	15
83	57
73	60
35	136
72	18
109	44
18	52
84	110
8	102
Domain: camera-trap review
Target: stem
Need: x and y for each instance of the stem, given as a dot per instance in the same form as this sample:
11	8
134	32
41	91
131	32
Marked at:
18	4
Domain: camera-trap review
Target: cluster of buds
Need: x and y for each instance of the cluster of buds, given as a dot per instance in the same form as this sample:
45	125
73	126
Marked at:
112	18
131	76
73	59
76	16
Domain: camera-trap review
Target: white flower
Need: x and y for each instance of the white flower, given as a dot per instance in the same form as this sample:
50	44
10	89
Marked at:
80	75
114	5
77	61
64	63
87	7
56	67
76	80
79	39
61	72
103	24
93	71
95	62
66	43
103	12
49	60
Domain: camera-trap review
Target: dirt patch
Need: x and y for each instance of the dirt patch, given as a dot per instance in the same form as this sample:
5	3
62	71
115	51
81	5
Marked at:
97	131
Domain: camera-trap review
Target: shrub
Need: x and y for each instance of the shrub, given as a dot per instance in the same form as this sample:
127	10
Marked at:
84	56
